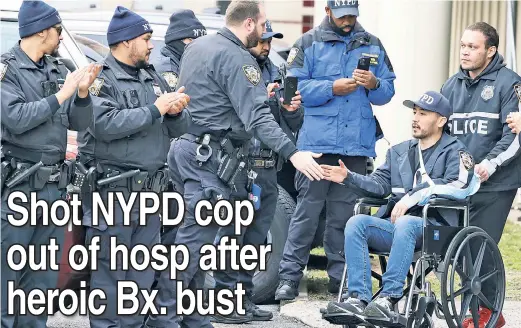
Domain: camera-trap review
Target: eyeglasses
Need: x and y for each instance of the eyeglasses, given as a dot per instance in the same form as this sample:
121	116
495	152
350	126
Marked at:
58	29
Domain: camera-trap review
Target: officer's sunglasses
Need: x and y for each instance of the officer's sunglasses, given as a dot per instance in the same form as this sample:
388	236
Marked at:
58	29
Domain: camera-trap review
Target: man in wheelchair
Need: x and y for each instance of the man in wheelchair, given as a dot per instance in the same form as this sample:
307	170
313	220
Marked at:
412	168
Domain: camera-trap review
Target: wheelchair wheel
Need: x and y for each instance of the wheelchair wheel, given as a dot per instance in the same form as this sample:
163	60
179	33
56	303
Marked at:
461	269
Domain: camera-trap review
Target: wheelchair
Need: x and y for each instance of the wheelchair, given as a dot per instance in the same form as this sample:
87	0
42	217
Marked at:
446	252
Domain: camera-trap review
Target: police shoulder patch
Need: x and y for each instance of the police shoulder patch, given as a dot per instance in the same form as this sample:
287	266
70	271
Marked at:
3	70
171	79
517	89
95	88
252	73
466	159
292	55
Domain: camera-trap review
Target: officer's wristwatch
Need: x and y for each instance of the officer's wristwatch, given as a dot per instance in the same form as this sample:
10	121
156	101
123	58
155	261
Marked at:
377	84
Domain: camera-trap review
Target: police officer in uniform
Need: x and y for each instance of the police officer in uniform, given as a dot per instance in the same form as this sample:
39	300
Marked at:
184	28
228	105
266	163
411	171
136	113
339	123
39	102
482	95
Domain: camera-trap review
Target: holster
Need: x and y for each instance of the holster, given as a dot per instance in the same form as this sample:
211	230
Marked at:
159	181
231	162
5	171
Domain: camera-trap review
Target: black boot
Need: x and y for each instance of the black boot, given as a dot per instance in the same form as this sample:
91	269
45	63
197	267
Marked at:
333	285
256	312
287	290
233	318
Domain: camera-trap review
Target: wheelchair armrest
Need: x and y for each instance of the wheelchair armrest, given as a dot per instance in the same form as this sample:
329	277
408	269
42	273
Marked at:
368	201
444	202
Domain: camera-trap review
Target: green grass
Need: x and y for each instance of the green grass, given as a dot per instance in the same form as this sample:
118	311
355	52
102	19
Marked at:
510	248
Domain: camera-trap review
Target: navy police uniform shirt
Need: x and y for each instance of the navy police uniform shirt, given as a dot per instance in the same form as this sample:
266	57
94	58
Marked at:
34	125
449	163
227	92
480	109
128	129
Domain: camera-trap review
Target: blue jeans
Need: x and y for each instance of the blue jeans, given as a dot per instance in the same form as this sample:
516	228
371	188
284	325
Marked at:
364	232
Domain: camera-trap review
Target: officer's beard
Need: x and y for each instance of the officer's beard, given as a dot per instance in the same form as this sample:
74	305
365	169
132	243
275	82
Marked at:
252	39
340	29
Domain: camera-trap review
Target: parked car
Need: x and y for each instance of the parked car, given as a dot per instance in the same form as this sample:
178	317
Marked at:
94	25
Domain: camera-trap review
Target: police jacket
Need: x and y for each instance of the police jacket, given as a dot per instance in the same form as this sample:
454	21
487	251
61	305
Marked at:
449	163
480	109
34	125
167	64
336	124
227	94
290	122
128	129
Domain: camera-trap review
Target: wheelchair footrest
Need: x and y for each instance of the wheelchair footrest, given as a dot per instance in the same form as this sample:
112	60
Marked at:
398	321
348	319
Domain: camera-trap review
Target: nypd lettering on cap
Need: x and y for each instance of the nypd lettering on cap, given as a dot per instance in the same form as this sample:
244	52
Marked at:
425	98
146	27
199	32
339	3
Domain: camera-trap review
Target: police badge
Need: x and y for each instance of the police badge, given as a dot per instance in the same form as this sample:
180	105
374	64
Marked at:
517	89
488	92
292	55
157	89
466	159
3	69
252	73
95	88
171	79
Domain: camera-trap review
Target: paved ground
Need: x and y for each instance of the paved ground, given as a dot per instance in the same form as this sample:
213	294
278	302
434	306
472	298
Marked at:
278	321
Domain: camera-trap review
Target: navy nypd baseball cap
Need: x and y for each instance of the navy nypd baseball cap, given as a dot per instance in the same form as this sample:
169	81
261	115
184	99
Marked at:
342	8
269	32
432	101
126	25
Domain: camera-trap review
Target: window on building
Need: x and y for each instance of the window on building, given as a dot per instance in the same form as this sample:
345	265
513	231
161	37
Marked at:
307	23
309	3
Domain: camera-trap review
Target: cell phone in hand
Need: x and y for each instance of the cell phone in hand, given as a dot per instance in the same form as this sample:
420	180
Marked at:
363	63
290	87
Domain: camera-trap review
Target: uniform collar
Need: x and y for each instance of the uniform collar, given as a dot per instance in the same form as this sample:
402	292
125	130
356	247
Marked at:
119	72
327	33
27	63
231	36
170	53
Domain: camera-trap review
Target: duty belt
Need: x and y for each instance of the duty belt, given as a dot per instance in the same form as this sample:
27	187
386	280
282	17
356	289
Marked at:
262	163
109	176
15	172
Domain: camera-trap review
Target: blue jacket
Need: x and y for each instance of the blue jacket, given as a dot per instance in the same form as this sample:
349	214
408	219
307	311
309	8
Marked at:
339	124
450	164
